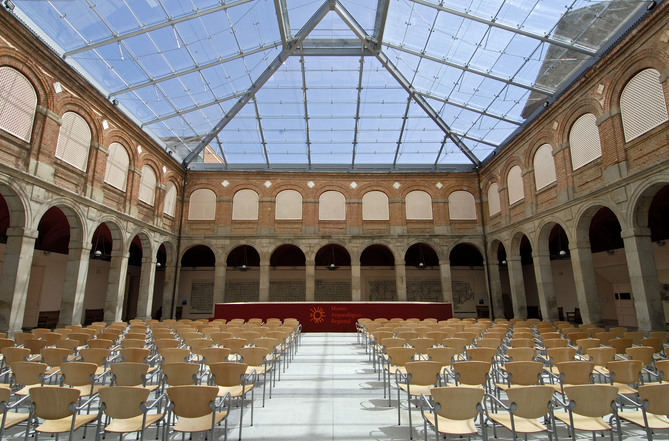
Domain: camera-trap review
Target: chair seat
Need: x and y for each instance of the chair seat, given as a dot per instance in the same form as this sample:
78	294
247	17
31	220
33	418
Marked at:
505	387
522	425
86	390
654	421
602	370
260	370
63	424
200	424
25	390
417	390
100	370
581	422
134	424
14	418
625	389
235	391
392	369
452	427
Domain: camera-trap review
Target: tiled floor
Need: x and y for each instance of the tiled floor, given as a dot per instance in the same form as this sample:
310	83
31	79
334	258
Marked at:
329	392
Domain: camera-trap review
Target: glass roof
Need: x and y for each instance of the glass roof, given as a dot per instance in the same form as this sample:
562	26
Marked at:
334	84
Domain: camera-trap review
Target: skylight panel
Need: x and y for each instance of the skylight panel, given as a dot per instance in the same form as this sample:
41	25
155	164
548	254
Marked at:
364	12
332	154
117	15
332	27
254	23
290	154
147	12
104	71
299	11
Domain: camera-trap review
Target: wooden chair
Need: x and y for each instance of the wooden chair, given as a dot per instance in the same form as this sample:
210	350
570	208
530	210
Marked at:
573	373
129	373
9	418
215	355
521	354
180	374
527	404
100	343
520	373
28	374
174	355
442	355
644	354
453	411
620	344
421	344
233	381
481	354
98	356
587	407
654	408
127	407
625	375
197	409
601	356
132	343
136	355
257	361
80	375
420	378
54	357
472	373
459	344
584	344
57	407
395	360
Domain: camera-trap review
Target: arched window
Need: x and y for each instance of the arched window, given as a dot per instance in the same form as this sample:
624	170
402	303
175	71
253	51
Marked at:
584	141
147	185
288	205
461	205
74	140
18	102
514	183
418	205
494	205
642	104
170	205
331	206
202	205
544	166
375	206
245	205
117	166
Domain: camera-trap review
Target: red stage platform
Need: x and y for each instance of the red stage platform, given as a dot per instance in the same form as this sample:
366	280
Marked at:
334	316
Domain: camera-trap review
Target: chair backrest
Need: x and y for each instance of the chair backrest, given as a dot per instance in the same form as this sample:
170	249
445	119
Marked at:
94	355
166	343
400	356
555	343
52	403
421	344
469	337
192	401
54	357
392	342
575	372
657	396
79	337
602	355
138	355
531	401
559	355
180	373
521	342
135	336
604	336
459	344
442	355
424	373
653	342
489	342
592	400
227	373
129	373
67	344
28	372
100	343
215	355
524	373
34	344
642	353
12	354
471	372
123	401
636	336
661	335
78	373
584	344
253	356
481	354
457	403
174	355
620	344
234	344
662	367
625	371
5	393
521	354
132	343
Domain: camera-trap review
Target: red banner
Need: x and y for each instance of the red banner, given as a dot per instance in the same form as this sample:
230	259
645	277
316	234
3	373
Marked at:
335	316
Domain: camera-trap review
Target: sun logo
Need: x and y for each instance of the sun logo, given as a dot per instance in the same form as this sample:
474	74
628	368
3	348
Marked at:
316	314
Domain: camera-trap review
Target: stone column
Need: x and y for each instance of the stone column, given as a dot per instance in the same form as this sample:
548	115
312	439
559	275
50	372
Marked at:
146	282
74	288
644	281
496	291
264	282
446	283
401	281
545	289
118	270
356	293
310	279
517	287
220	272
16	267
168	291
586	285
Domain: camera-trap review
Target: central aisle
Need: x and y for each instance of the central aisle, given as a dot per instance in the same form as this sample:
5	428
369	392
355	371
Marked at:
328	392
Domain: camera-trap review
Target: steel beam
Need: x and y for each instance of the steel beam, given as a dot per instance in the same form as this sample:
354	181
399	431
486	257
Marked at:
380	22
283	20
287	51
516	30
306	109
471	109
404	123
357	112
192	109
145	29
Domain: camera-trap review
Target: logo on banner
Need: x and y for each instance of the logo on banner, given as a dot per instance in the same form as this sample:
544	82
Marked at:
316	315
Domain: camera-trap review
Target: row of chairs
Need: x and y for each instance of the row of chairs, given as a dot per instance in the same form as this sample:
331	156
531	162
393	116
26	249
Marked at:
116	367
497	369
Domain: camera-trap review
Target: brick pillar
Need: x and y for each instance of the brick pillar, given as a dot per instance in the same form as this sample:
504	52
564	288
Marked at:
517	287
146	286
310	275
401	281
264	282
220	272
586	285
16	267
118	270
545	289
168	291
496	291
446	282
644	281
74	287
